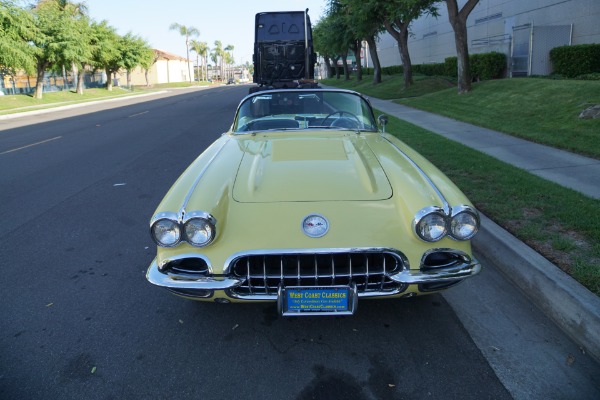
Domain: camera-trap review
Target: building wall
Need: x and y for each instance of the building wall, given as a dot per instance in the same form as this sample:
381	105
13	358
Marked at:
164	70
490	28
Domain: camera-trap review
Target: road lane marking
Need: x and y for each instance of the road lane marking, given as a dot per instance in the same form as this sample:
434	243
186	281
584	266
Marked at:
138	114
30	145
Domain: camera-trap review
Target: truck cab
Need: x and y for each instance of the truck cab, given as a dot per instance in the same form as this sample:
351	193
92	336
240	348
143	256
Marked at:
283	51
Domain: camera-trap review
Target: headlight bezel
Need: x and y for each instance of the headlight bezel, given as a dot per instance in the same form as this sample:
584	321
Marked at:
171	218
448	222
179	225
458	212
426	214
205	218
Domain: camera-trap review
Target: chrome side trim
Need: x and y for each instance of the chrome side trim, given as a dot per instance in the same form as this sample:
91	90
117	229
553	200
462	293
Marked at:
197	181
158	278
445	203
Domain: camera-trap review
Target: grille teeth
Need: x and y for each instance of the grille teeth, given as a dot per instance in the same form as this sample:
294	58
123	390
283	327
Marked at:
264	273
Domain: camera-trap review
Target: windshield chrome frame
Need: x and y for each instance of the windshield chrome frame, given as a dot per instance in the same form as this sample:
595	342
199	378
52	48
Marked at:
365	99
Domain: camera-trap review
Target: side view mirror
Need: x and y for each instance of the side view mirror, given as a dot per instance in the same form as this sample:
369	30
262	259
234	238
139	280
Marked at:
383	121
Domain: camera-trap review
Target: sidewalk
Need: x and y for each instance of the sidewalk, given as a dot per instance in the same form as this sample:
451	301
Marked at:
570	305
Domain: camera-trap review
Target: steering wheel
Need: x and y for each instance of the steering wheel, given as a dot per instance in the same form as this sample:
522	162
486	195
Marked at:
341	121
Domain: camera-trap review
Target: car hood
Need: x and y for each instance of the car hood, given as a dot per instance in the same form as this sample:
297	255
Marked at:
307	169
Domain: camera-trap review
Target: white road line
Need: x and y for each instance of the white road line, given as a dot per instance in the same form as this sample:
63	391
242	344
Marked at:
135	115
30	145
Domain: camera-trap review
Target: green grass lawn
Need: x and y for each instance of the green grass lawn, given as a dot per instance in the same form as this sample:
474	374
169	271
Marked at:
540	110
24	102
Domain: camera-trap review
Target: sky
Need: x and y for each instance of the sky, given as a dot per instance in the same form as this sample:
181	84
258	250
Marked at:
230	21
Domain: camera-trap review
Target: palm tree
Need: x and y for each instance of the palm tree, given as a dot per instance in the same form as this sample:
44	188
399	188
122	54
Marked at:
195	47
229	49
186	31
204	54
217	54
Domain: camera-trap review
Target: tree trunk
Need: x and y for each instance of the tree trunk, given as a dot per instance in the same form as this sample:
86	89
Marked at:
335	65
327	67
345	65
375	59
401	37
458	20
109	85
80	78
356	47
39	84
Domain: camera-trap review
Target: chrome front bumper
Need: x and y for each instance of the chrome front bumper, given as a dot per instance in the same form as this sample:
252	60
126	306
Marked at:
406	277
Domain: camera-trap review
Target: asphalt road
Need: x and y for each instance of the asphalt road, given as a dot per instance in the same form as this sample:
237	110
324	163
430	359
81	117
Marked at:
79	320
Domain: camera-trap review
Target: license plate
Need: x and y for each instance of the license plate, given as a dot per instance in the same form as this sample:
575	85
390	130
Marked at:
331	300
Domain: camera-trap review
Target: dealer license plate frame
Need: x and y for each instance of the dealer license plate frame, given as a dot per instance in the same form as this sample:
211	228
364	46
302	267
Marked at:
296	301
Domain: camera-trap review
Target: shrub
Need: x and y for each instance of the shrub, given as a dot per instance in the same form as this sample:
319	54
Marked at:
451	66
437	69
572	61
487	66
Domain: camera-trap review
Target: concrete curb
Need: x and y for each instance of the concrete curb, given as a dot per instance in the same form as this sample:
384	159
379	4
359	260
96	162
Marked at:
571	306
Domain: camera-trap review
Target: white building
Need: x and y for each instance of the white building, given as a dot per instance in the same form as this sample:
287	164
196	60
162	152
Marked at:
524	30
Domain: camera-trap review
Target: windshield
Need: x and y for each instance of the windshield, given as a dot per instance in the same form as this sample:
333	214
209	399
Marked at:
304	109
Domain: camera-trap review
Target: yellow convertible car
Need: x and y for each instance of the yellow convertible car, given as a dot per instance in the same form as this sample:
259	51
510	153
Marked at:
307	202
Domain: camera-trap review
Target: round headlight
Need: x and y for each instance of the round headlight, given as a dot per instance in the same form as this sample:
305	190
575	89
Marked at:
431	226
464	225
166	232
199	231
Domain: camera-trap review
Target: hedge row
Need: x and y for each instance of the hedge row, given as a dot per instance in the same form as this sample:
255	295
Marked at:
484	66
573	61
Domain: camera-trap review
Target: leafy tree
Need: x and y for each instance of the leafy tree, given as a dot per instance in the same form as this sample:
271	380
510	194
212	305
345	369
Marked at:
106	50
67	29
397	16
458	20
53	42
186	31
367	23
321	43
332	37
17	29
135	52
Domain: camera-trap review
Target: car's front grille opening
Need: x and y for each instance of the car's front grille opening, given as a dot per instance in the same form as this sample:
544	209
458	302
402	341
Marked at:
186	266
442	259
263	274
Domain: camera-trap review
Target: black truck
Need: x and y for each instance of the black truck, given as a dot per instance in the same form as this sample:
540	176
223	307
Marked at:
283	51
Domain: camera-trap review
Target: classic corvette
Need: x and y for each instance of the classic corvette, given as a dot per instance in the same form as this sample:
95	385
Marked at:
307	202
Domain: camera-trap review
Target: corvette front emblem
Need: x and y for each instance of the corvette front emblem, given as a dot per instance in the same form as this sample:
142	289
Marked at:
315	225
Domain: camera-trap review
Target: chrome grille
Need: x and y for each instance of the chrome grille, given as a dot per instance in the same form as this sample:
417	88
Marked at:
369	270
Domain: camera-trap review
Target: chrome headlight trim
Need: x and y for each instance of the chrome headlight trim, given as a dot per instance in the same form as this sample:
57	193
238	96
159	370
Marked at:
462	216
207	223
432	215
161	222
